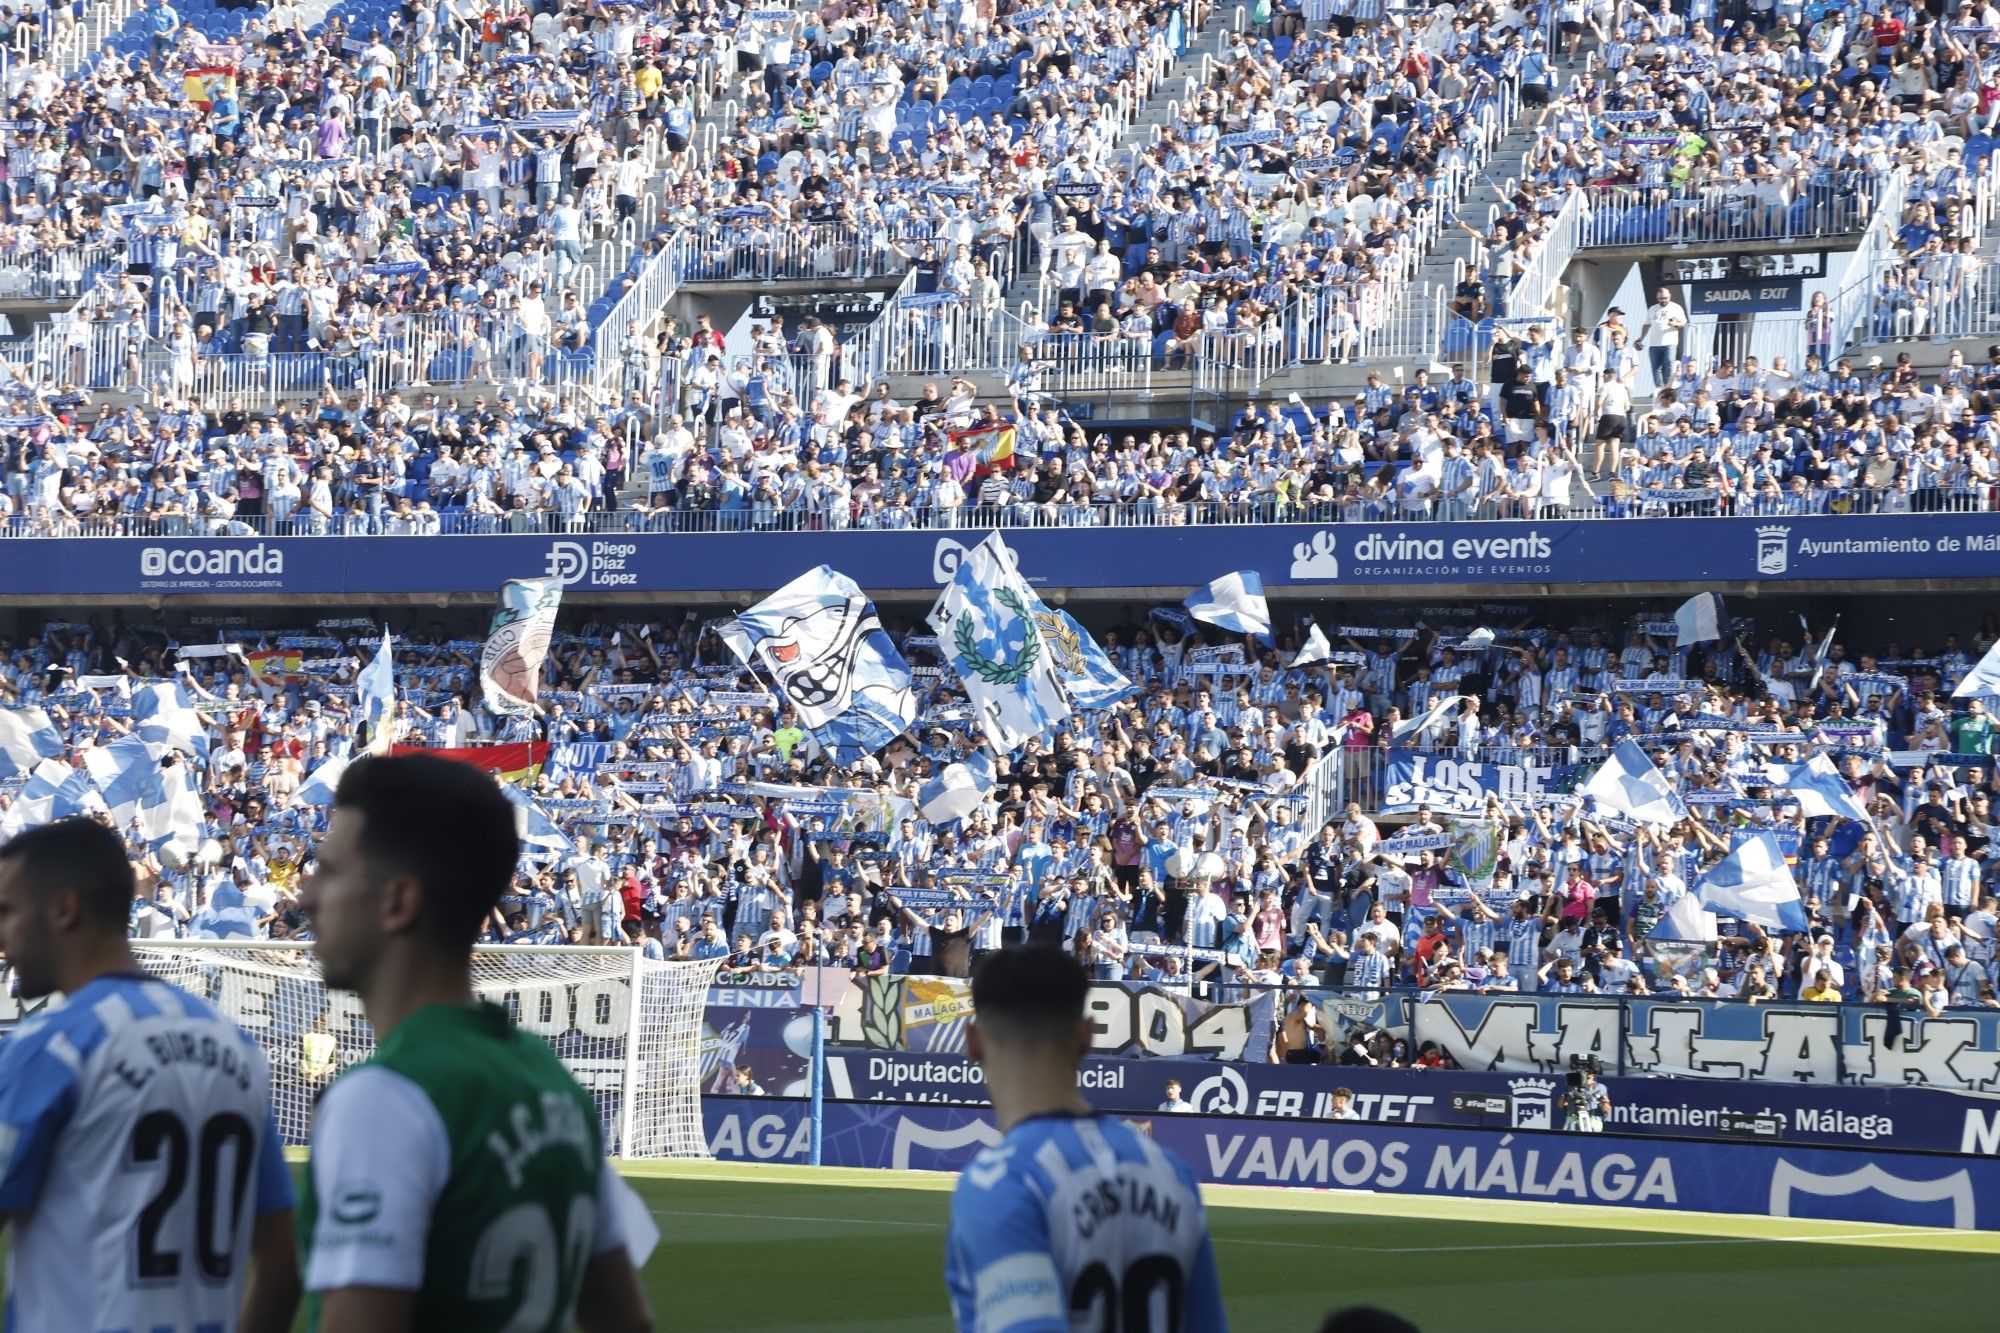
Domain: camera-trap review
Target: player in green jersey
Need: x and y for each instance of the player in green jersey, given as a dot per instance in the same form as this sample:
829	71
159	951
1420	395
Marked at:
458	1178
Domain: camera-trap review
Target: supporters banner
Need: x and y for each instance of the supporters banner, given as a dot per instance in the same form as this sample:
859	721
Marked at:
510	665
1763	1180
1830	1044
519	762
209	84
1444	782
1910	1119
1473	558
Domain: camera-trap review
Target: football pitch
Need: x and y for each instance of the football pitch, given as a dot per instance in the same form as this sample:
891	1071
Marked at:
793	1248
758	1249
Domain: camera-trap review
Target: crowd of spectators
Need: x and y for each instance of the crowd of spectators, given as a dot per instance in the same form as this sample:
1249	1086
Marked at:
745	452
1163	838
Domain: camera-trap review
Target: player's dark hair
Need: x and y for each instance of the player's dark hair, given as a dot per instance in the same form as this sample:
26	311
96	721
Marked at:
1030	991
78	854
442	821
1366	1319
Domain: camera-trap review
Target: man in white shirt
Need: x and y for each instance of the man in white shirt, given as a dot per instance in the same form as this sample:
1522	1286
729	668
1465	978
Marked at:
1661	335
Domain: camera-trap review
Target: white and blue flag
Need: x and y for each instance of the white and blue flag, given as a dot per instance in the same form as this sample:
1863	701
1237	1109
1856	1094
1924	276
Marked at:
375	690
26	738
127	776
988	630
1630	784
1234	602
958	789
1314	650
1822	791
1687	919
1699	620
318	788
819	641
1754	884
539	833
1090	678
170	817
167	721
1983	681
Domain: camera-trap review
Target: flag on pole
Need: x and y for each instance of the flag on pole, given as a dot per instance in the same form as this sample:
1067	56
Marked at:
1314	650
1687	919
1478	641
127	776
1699	620
1631	785
540	835
1234	602
1089	676
1753	883
1983	681
376	691
1822	791
820	642
988	630
510	665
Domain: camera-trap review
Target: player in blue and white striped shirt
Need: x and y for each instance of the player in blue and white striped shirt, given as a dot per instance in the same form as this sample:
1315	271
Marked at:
140	1167
1073	1221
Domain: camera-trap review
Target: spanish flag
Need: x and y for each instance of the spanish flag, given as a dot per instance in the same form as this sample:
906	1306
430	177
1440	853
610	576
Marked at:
208	85
272	668
518	762
993	445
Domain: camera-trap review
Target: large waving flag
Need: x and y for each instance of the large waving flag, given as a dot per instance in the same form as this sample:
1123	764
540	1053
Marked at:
1687	919
171	816
1983	681
376	692
540	837
986	627
167	721
1630	784
820	642
1699	620
26	738
510	665
1754	884
1090	677
1234	602
1822	791
127	776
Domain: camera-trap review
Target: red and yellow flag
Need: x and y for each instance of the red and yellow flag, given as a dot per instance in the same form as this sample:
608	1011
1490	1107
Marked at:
274	667
992	445
209	84
518	762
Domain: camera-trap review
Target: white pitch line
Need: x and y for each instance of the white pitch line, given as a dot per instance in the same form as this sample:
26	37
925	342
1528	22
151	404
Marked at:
1596	1244
781	1217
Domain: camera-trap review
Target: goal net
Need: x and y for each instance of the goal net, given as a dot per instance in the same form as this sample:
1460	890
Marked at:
628	1028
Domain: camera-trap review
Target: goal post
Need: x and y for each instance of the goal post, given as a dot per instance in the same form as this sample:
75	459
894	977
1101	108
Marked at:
627	1027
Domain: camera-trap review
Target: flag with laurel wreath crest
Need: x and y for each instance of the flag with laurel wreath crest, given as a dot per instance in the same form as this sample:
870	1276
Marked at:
987	629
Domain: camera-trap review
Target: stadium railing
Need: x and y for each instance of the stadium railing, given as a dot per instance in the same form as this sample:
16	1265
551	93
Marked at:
1720	215
1024	514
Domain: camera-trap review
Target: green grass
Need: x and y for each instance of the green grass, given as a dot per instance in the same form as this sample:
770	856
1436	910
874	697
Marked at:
769	1248
784	1248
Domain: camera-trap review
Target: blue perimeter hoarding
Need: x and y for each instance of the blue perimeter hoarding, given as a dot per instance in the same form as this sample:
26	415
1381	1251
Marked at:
1325	558
1831	1184
1912	1119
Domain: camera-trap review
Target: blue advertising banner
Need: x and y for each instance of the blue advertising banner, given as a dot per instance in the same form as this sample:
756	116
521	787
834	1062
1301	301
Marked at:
1809	1044
1714	552
1909	1119
1827	1184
